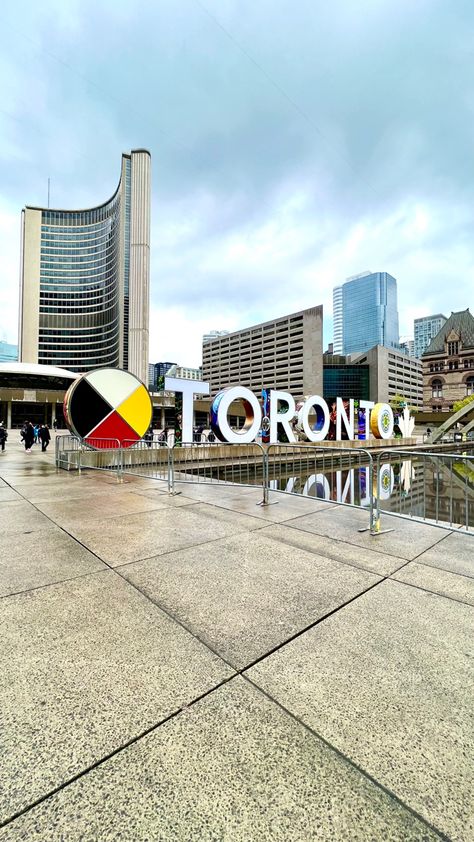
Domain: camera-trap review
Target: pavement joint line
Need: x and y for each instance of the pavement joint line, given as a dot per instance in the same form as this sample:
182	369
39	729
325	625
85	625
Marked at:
101	760
419	560
433	593
372	548
346	759
325	554
52	584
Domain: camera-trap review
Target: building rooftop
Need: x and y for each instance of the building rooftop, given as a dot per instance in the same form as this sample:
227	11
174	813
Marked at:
201	667
463	323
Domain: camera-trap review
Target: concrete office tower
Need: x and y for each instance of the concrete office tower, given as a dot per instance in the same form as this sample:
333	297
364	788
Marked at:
369	312
85	279
286	354
426	329
337	342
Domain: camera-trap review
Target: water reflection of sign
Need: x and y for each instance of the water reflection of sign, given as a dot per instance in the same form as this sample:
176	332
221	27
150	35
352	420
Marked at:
105	404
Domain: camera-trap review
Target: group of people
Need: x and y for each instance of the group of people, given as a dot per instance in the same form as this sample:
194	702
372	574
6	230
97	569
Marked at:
30	435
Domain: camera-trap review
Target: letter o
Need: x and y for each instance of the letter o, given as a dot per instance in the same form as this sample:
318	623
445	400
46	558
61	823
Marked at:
314	401
381	421
253	415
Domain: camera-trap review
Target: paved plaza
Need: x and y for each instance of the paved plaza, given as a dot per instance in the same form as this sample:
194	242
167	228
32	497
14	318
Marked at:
198	667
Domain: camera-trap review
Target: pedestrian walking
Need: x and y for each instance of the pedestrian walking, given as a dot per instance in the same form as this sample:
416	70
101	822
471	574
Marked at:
55	425
3	436
44	436
28	435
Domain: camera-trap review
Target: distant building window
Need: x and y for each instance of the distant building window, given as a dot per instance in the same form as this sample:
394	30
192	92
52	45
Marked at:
436	389
470	386
453	348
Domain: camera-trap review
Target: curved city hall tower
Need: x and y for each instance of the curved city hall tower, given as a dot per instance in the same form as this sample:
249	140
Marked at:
85	279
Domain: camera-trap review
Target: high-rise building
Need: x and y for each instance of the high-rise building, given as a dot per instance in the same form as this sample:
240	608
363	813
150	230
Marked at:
426	329
84	297
337	343
213	334
407	345
284	354
156	375
369	312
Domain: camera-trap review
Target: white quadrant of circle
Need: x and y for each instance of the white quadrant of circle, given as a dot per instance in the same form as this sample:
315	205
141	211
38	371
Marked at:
113	385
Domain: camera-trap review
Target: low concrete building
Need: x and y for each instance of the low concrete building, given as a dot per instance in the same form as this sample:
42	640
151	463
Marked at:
29	391
284	354
448	364
392	373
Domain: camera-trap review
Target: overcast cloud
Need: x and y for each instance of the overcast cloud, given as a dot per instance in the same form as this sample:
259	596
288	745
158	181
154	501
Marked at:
293	144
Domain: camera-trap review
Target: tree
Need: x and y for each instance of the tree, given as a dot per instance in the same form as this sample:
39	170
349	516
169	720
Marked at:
460	404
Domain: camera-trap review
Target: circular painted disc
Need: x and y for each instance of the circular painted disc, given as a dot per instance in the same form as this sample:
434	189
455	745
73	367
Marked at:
108	405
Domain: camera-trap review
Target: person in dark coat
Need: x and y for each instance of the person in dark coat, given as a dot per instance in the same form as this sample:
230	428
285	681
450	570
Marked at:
44	436
28	435
3	436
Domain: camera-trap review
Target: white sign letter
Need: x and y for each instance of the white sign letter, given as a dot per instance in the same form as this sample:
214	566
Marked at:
188	388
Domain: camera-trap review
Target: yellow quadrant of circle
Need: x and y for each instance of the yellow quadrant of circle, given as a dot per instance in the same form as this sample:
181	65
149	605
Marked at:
136	410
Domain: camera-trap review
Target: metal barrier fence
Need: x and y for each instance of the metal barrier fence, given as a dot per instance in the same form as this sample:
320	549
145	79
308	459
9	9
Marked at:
305	470
72	453
447	501
288	463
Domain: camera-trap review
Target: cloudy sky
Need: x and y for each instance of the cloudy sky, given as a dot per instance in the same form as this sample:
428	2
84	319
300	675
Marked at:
293	143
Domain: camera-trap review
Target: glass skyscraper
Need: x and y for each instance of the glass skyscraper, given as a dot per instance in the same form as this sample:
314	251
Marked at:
369	312
84	299
426	329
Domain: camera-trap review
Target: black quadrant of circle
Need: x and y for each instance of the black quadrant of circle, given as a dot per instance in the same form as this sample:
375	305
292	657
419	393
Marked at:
87	408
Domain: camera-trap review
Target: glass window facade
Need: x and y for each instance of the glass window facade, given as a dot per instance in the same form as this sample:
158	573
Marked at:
346	381
79	312
369	313
425	330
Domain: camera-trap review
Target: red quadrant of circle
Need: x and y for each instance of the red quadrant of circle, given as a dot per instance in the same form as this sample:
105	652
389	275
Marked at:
112	427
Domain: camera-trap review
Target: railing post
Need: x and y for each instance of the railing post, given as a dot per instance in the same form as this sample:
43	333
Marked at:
171	487
119	460
79	456
265	478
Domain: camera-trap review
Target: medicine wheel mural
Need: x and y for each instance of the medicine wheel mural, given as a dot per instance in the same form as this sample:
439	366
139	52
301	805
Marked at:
108	404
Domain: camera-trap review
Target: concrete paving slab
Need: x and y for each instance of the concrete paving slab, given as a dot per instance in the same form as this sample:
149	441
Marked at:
86	666
388	681
246	594
120	540
210	492
8	494
408	539
50	492
283	507
233	767
20	516
366	559
455	553
117	503
171	500
31	561
438	581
